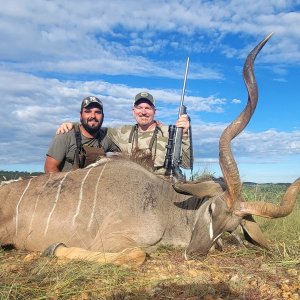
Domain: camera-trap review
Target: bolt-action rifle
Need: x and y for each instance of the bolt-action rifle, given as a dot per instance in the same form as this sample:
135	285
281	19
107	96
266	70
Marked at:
174	147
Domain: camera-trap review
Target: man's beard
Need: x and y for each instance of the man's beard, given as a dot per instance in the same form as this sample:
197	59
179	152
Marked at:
93	130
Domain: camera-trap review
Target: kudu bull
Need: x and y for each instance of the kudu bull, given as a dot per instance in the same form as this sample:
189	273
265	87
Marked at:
116	211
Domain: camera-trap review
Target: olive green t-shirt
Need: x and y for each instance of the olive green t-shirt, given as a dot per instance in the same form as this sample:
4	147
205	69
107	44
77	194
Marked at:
63	146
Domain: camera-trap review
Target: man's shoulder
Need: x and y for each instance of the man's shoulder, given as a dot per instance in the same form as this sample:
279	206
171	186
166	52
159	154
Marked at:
61	144
122	129
65	136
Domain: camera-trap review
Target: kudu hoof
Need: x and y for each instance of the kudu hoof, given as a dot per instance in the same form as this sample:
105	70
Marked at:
52	248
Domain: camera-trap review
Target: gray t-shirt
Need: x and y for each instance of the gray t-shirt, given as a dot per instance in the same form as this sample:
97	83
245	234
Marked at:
63	146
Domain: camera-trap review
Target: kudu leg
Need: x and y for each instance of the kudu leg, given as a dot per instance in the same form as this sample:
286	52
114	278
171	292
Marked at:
130	256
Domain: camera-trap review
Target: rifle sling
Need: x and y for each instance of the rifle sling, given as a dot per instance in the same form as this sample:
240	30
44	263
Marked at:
84	154
77	164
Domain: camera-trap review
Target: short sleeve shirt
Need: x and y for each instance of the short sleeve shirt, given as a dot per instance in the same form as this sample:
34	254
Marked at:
63	146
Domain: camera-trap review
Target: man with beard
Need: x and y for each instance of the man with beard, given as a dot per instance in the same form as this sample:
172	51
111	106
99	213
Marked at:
147	138
82	145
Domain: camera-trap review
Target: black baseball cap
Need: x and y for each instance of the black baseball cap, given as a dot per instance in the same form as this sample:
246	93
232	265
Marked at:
89	100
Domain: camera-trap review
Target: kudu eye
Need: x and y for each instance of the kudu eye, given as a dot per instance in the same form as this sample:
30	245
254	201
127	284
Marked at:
211	208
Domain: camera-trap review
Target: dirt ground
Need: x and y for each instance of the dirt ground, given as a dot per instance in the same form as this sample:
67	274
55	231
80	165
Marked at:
235	273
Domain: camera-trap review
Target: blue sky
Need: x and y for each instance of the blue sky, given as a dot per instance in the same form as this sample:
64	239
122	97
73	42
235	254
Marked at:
54	53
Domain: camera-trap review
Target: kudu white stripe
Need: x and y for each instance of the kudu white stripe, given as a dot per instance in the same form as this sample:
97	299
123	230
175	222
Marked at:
36	204
32	217
95	198
55	202
80	196
20	200
211	230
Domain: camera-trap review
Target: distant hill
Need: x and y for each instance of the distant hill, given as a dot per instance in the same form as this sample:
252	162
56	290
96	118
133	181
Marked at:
9	175
267	183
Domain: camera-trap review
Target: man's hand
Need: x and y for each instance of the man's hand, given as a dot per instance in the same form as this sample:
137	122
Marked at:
64	127
184	123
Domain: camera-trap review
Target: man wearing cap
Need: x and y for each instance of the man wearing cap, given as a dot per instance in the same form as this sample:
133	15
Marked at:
146	138
84	143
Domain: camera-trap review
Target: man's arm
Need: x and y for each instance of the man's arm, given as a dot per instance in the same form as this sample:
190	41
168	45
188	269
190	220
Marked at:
51	165
60	148
186	153
183	122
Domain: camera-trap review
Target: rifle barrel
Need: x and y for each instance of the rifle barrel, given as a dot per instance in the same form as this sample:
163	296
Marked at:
183	88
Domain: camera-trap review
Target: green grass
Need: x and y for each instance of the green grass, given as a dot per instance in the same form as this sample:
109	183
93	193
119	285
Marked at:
283	232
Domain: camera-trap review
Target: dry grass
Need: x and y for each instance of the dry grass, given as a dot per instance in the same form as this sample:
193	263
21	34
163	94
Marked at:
238	272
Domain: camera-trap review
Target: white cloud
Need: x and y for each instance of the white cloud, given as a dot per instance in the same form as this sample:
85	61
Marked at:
268	144
236	101
110	38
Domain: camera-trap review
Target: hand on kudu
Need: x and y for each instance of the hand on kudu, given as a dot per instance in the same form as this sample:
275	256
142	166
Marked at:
183	122
64	127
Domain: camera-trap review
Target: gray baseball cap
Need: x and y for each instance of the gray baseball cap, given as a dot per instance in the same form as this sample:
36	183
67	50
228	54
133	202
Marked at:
144	96
89	100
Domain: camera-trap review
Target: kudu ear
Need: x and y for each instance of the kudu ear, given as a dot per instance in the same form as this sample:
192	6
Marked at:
202	189
253	233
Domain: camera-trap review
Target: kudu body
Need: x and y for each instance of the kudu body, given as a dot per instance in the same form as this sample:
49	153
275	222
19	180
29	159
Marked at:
115	205
119	207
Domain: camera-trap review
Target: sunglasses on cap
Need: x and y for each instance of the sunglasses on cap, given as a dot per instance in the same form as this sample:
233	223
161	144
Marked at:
89	100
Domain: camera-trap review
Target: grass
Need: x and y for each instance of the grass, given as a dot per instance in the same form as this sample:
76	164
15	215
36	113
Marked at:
47	278
235	273
283	232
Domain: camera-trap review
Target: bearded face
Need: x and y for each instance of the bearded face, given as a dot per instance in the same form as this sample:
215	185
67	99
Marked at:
91	119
